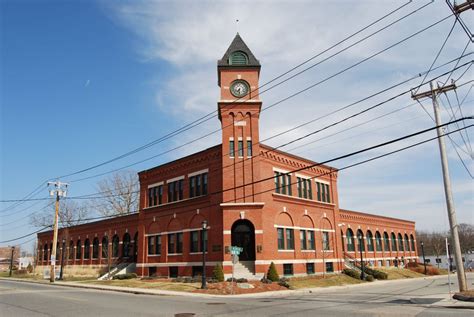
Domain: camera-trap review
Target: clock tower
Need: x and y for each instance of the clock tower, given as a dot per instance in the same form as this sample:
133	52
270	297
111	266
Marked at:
239	110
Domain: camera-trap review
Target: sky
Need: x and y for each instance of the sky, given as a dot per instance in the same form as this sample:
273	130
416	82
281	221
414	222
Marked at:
82	82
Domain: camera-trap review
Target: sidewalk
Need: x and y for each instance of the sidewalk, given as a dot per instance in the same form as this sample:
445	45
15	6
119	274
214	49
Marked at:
447	301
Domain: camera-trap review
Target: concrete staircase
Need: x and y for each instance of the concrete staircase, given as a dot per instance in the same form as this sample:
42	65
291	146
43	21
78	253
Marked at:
246	269
121	268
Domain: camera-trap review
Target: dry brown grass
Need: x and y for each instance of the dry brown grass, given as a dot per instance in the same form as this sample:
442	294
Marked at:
162	285
398	273
319	281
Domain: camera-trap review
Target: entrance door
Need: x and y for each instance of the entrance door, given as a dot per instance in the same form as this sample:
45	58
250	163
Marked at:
243	235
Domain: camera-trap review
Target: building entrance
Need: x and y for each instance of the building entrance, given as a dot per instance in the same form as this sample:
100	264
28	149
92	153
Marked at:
243	235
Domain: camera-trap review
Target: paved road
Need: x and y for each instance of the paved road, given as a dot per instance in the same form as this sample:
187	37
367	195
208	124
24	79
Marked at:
394	298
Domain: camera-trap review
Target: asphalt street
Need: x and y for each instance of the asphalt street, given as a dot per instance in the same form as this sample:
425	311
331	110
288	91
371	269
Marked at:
394	298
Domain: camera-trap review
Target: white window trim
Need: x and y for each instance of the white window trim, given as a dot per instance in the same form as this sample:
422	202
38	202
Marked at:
318	180
155	184
276	169
286	250
206	170
173	254
174	179
303	176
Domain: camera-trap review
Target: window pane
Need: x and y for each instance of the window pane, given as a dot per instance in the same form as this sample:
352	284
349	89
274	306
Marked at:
194	241
191	186
158	245
312	244
198	186
151	245
171	243
289	184
277	182
249	148
310	192
290	239
179	245
241	148
204	184
298	185
303	242
231	149
281	239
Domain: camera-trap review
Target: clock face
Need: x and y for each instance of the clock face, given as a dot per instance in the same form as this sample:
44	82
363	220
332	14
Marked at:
239	88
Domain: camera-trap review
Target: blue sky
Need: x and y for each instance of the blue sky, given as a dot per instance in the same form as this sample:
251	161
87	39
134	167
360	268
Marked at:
84	81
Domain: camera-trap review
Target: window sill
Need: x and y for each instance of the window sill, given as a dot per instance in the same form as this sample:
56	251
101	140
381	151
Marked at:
153	255
196	253
308	251
173	254
286	250
328	251
313	201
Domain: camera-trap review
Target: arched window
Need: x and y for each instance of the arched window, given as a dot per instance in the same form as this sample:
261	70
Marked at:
370	241
78	250
360	240
71	250
87	249
95	248
400	242
45	252
126	245
407	243
378	241
412	240
386	242
394	242
350	240
115	246
105	247
238	58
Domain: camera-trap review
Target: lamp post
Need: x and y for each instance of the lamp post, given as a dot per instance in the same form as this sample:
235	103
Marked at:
203	247
11	260
362	274
423	253
63	249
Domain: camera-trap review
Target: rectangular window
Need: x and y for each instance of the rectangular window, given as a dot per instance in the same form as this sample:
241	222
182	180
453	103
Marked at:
277	182
151	245
288	269
173	271
158	245
323	192
204	184
179	244
329	267
231	148
311	242
155	195
192	186
194	241
290	239
305	189
310	192
171	243
326	244
170	192
180	182
249	148
288	182
241	148
281	239
198	186
304	244
309	268
299	186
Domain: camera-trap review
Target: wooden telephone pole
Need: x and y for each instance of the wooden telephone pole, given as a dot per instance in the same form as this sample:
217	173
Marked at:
433	94
58	191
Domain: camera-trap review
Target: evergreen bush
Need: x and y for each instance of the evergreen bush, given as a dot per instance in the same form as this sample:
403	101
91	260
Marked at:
218	273
272	274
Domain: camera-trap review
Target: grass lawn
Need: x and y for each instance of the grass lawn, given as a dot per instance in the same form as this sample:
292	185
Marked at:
319	281
397	273
149	284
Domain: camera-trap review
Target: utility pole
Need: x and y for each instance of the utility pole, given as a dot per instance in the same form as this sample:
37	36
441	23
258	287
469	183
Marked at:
58	191
433	93
11	261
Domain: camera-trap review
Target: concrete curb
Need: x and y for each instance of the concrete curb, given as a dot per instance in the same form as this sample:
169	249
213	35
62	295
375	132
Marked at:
142	291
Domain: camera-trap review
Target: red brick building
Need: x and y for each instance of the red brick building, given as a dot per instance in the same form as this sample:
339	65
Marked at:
278	207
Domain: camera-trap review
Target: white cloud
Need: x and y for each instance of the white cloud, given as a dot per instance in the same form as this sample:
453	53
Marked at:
191	36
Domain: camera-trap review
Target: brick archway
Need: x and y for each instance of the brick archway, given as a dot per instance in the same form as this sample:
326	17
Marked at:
243	235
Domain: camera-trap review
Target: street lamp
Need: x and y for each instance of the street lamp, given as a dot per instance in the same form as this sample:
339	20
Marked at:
362	274
423	253
203	247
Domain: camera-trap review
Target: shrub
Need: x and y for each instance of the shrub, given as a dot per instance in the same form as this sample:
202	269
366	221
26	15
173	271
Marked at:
29	268
125	276
21	272
212	280
369	278
284	283
231	279
376	274
352	273
241	280
218	273
272	274
265	280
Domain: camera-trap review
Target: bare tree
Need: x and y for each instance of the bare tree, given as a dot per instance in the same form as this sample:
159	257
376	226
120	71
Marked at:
70	214
118	194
